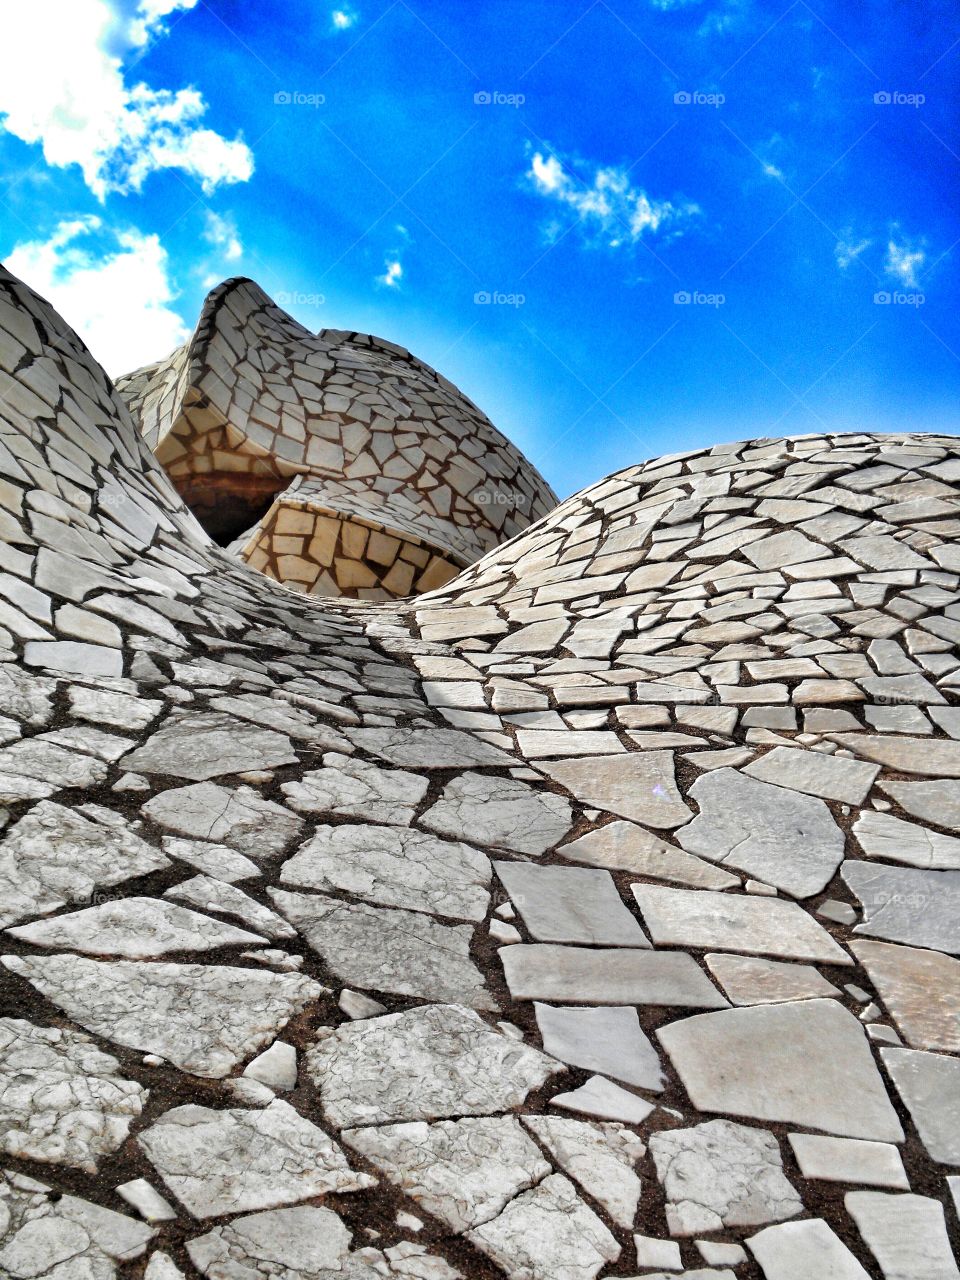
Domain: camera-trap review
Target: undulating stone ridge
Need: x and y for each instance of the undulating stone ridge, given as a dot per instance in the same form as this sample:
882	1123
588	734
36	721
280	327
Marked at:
335	462
594	915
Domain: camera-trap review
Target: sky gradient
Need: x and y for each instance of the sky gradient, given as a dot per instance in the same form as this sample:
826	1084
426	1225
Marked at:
623	229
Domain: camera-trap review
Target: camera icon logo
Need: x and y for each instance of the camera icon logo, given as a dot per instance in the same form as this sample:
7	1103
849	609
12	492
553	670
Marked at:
282	98
683	98
483	98
882	98
682	298
883	298
482	297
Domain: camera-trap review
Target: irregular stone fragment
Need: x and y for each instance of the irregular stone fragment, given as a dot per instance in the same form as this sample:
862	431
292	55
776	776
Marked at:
276	1067
134	928
788	840
876	1164
382	949
881	835
605	1100
584	974
606	1040
815	774
62	1100
461	1171
906	1234
55	855
546	1233
570	904
806	1063
306	1241
750	980
929	1085
940	756
429	748
920	989
357	789
147	1201
215	860
722	1174
162	1267
903	905
430	1062
232	1161
623	846
639	785
395	868
601	1158
800	1250
937	801
241	819
210	894
735	922
203	1018
510	813
208	744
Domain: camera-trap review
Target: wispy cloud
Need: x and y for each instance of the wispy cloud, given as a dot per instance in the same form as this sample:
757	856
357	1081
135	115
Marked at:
344	18
112	287
611	209
849	248
392	273
903	260
221	232
63	85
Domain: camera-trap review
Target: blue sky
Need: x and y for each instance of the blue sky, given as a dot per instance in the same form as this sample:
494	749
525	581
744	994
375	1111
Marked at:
583	165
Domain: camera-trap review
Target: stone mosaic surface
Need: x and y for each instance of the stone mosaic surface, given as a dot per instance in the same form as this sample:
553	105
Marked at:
589	915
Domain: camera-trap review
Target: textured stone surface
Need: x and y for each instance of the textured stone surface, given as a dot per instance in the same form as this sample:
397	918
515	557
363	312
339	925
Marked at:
576	974
639	786
600	1158
799	1250
921	908
851	1160
570	904
509	813
607	1040
750	980
929	1085
906	1234
921	990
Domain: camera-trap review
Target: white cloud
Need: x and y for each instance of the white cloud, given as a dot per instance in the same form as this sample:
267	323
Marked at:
63	85
611	210
903	261
393	273
848	249
343	19
113	288
221	232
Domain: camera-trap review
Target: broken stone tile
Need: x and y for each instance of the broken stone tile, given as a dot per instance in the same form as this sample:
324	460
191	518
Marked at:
305	1241
570	904
929	1085
583	974
241	819
204	745
210	894
750	980
429	748
202	1018
135	928
547	1232
716	1254
598	1157
799	1250
62	1100
907	1234
604	1100
428	1063
939	756
920	989
276	1067
658	1253
875	1164
215	860
734	922
509	813
232	1161
937	801
735	1062
881	835
606	1040
920	908
639	785
354	788
461	1171
720	1175
147	1201
54	856
395	867
815	774
788	840
383	949
624	846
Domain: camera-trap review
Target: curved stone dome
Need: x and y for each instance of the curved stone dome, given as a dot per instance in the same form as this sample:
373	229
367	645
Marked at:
595	915
335	462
